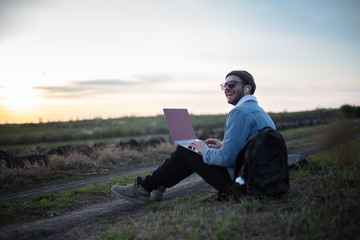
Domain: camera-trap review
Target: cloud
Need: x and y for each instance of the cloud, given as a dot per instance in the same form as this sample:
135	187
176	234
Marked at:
63	92
144	84
82	89
98	87
152	78
133	80
105	82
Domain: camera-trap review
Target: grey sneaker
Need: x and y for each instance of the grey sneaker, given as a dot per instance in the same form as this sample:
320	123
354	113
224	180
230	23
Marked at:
157	194
133	192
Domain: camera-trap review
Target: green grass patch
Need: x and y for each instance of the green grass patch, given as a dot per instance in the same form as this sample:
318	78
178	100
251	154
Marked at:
297	132
122	232
299	143
81	141
52	204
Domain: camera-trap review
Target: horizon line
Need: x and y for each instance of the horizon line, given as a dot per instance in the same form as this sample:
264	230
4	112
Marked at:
78	119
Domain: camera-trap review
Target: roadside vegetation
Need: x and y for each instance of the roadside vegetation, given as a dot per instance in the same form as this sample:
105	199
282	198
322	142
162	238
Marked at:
139	142
100	130
322	203
54	204
30	166
42	153
21	169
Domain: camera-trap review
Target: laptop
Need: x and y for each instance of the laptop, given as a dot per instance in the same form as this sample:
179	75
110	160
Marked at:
180	127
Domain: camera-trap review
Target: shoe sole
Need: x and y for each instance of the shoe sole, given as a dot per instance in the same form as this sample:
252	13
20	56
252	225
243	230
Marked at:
134	200
156	197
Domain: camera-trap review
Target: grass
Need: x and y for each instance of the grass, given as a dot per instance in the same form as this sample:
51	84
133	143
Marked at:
15	134
299	143
89	141
294	133
105	159
50	205
322	203
91	130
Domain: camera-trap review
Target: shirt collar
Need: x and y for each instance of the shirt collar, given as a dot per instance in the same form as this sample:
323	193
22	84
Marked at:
246	98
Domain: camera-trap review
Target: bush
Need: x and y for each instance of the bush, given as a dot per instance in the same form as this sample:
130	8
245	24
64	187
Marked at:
350	111
357	112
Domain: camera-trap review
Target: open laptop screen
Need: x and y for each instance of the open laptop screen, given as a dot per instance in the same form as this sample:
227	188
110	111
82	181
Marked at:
179	123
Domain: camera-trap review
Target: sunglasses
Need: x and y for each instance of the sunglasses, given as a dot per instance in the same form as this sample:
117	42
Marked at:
230	84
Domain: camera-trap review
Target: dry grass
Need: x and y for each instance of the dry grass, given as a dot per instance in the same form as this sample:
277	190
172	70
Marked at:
109	158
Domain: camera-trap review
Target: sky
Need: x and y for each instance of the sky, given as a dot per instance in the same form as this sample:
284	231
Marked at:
81	59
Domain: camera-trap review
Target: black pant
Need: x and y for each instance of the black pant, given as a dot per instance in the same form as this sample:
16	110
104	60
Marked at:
181	164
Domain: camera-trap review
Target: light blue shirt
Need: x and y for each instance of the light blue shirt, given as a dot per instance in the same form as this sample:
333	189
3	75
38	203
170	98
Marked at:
242	122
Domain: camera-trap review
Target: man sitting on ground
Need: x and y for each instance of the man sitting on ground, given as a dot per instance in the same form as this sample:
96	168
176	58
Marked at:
217	160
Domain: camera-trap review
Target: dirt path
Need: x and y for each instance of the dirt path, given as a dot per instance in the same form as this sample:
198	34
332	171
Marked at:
61	227
69	224
52	188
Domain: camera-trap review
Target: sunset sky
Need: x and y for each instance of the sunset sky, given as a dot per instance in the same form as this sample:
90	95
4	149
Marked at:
80	59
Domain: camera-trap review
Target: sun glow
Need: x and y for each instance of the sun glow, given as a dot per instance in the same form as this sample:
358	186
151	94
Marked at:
18	98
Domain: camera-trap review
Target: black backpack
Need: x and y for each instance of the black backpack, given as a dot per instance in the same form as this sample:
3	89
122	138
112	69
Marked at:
263	165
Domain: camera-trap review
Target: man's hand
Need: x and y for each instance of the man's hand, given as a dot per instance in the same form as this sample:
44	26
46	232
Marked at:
208	143
198	145
213	143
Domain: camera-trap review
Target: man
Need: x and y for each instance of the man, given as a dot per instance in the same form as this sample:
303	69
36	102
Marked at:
217	160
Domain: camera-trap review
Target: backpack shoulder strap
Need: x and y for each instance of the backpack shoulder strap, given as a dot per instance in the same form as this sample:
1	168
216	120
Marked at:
240	158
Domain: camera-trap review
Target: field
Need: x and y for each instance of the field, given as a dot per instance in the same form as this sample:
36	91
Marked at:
56	180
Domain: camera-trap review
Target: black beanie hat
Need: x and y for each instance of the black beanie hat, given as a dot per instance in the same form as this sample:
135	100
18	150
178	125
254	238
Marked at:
245	76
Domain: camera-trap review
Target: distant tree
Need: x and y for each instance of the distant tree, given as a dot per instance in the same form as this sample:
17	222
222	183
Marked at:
357	112
350	111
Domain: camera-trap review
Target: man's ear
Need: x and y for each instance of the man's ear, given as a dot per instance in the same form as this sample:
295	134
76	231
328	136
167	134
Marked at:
250	89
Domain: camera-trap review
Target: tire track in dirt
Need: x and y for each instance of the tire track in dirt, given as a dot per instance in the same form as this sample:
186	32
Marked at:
53	188
58	227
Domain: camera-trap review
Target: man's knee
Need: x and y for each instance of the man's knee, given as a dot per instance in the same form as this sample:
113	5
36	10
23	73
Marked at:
185	154
181	150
